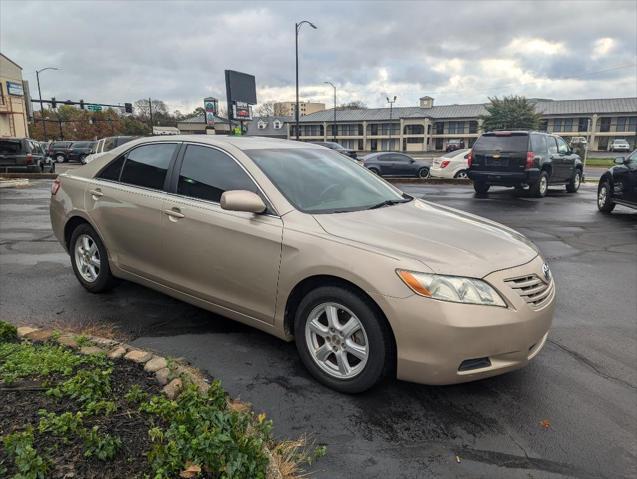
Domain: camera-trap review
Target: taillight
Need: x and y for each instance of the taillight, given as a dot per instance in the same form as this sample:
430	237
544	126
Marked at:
469	158
530	160
444	163
29	158
55	186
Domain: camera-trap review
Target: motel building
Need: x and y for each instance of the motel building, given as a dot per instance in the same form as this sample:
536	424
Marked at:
429	127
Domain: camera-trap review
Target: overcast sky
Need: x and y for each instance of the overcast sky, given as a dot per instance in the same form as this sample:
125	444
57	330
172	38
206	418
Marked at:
456	52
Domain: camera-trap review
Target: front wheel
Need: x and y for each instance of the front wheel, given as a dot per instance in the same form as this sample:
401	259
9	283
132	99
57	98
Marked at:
423	173
342	339
462	174
376	171
60	158
604	201
90	260
575	182
481	188
83	159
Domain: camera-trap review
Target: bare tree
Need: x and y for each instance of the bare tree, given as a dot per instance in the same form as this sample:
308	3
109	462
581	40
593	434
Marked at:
265	109
352	105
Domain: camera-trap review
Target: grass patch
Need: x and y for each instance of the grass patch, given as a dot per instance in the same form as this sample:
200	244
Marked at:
602	162
64	412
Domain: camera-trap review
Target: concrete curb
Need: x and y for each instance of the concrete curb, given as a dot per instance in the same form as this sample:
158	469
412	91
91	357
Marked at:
32	176
169	373
13	183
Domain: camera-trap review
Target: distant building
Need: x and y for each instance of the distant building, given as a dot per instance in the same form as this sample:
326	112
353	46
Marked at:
165	130
14	106
270	126
428	128
287	108
197	126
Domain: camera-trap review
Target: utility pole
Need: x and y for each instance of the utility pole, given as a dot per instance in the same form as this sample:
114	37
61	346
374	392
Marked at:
150	114
391	106
297	27
334	126
37	76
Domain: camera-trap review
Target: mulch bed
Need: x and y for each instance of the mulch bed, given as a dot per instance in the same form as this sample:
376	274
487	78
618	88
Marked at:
20	403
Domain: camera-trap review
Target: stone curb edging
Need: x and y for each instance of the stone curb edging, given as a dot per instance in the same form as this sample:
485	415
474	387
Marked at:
170	374
12	183
33	176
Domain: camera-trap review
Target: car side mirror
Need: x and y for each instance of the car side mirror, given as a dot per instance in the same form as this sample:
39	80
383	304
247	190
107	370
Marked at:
242	200
412	160
620	160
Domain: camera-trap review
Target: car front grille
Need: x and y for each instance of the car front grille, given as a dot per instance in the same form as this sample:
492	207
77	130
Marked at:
532	289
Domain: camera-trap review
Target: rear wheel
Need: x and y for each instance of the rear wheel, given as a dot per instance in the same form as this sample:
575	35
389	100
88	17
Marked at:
60	158
342	339
90	260
481	188
604	201
575	182
541	186
376	171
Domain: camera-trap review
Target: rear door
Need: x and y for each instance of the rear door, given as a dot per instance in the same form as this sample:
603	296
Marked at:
501	151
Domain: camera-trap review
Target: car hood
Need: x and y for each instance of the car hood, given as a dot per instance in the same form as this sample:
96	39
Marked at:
448	241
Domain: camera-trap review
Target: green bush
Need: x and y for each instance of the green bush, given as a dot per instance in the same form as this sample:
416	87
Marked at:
8	332
29	464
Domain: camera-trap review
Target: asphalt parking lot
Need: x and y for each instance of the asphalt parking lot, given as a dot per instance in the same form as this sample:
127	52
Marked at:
571	413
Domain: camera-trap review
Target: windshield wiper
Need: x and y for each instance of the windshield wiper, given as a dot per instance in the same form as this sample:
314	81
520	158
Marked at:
388	203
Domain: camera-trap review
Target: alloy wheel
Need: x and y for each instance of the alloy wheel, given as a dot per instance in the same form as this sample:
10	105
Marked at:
601	196
336	340
462	174
59	158
543	185
87	258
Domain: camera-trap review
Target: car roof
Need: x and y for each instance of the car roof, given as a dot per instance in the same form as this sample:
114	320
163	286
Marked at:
240	142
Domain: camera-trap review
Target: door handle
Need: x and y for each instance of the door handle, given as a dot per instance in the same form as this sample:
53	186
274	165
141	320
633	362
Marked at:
174	214
97	193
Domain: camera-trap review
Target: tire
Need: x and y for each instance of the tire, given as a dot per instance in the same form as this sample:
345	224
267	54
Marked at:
541	186
423	173
376	171
83	159
370	335
60	158
604	201
574	184
85	236
462	174
481	188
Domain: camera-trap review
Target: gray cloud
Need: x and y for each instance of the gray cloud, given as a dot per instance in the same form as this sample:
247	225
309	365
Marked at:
454	51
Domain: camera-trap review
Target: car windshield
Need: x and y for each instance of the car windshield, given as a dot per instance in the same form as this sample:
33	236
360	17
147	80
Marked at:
319	181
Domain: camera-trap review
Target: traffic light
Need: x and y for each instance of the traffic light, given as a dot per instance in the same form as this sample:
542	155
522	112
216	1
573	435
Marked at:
54	104
81	104
128	107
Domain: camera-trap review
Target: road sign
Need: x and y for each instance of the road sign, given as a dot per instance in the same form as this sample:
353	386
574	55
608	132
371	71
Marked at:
94	107
210	105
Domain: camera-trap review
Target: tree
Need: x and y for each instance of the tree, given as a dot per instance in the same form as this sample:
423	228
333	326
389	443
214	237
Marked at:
265	109
352	105
510	113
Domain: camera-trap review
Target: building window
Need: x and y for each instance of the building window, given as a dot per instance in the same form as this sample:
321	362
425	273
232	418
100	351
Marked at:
605	124
440	128
582	124
544	125
277	124
351	129
308	130
626	123
473	127
456	127
414	130
389	145
262	125
415	140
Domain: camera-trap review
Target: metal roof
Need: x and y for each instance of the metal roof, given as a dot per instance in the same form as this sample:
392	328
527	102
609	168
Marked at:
269	130
552	107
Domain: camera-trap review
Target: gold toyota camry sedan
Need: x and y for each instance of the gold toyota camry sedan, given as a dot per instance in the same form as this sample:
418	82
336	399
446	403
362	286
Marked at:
289	238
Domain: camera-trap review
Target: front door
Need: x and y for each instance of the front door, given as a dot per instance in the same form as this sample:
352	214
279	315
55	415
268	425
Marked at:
125	200
225	257
625	180
567	160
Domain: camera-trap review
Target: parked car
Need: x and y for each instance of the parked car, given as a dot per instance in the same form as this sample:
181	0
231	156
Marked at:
619	184
289	238
453	145
451	165
79	150
23	154
105	145
578	140
619	145
58	150
524	158
395	164
332	145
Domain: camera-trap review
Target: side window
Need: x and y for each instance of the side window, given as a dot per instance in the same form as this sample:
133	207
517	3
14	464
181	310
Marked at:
112	170
562	147
552	145
403	158
206	173
147	165
538	143
391	158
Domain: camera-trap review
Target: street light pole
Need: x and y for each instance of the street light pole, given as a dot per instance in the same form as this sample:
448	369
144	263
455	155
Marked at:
391	107
37	76
297	27
333	126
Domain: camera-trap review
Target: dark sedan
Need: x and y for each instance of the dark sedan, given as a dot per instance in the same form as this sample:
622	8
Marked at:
619	184
80	150
396	164
332	145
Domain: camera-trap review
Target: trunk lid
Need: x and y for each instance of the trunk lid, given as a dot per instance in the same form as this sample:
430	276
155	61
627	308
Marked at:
501	151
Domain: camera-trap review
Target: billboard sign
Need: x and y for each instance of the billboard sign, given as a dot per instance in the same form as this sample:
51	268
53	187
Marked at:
211	107
241	111
14	88
241	92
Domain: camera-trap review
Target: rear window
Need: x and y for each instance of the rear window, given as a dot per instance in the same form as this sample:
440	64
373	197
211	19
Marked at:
81	144
61	144
10	147
502	143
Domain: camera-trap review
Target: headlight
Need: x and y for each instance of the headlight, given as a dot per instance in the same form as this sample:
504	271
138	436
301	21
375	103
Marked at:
452	288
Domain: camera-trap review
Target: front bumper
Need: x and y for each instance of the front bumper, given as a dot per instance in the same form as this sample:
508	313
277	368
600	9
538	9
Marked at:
434	337
505	178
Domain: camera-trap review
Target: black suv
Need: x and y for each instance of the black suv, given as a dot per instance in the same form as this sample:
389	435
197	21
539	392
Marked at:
523	158
23	154
79	150
619	184
58	150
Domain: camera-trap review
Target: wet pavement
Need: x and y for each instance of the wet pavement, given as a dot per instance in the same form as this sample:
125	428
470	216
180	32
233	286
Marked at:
584	382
